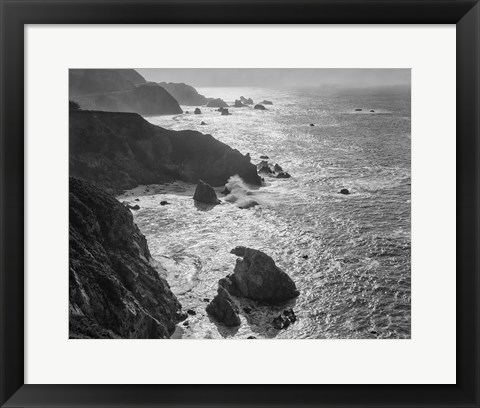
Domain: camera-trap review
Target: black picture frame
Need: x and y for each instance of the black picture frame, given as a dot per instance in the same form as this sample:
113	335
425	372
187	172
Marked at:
15	14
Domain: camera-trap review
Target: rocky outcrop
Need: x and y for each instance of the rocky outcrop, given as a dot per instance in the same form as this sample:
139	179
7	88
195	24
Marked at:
344	191
217	103
184	94
114	292
239	104
197	111
119	90
257	277
259	107
285	319
246	101
119	151
277	168
283	175
225	112
224	309
204	193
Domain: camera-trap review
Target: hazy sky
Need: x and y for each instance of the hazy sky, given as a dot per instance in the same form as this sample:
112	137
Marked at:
277	77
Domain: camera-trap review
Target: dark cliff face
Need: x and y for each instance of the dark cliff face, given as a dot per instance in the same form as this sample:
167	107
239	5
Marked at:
118	151
119	90
113	290
185	94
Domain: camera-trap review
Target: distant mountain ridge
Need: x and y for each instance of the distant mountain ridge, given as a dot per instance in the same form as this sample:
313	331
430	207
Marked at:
119	90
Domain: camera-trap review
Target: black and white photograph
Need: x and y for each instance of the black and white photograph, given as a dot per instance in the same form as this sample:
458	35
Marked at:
240	203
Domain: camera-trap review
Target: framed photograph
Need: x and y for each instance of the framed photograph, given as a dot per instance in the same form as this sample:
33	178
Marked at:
258	204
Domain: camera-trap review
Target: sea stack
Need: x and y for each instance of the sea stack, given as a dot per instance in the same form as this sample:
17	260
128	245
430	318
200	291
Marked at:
257	277
204	193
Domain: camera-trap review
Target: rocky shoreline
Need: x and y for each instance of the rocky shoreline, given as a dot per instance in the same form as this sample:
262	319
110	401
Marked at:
116	290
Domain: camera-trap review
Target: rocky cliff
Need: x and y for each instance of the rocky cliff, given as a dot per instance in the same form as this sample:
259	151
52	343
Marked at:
119	90
95	81
184	94
114	292
118	151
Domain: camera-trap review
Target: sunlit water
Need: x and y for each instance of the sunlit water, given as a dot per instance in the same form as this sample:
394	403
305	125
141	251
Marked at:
348	254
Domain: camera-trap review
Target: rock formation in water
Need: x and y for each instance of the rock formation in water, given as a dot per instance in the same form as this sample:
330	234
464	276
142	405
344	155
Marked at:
277	168
265	102
217	103
257	277
204	193
225	112
114	292
246	101
283	175
224	309
239	104
184	94
259	107
285	319
119	151
197	111
116	90
344	191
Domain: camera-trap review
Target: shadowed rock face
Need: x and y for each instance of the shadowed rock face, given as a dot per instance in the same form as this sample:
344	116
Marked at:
224	309
184	94
114	292
119	151
257	277
204	193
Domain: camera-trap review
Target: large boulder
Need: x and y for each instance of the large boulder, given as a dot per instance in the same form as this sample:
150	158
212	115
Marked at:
223	308
197	111
204	193
114	291
257	277
259	107
217	103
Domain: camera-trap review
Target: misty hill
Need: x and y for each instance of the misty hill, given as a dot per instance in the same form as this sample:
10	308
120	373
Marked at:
119	151
185	94
114	292
94	81
119	90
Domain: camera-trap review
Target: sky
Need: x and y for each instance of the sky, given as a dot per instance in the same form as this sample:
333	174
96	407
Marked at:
281	77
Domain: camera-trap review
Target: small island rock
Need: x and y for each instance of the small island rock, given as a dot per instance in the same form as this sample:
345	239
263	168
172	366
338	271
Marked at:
259	107
197	111
224	309
257	277
204	193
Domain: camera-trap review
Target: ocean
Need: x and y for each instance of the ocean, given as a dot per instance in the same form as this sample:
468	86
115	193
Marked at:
349	255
